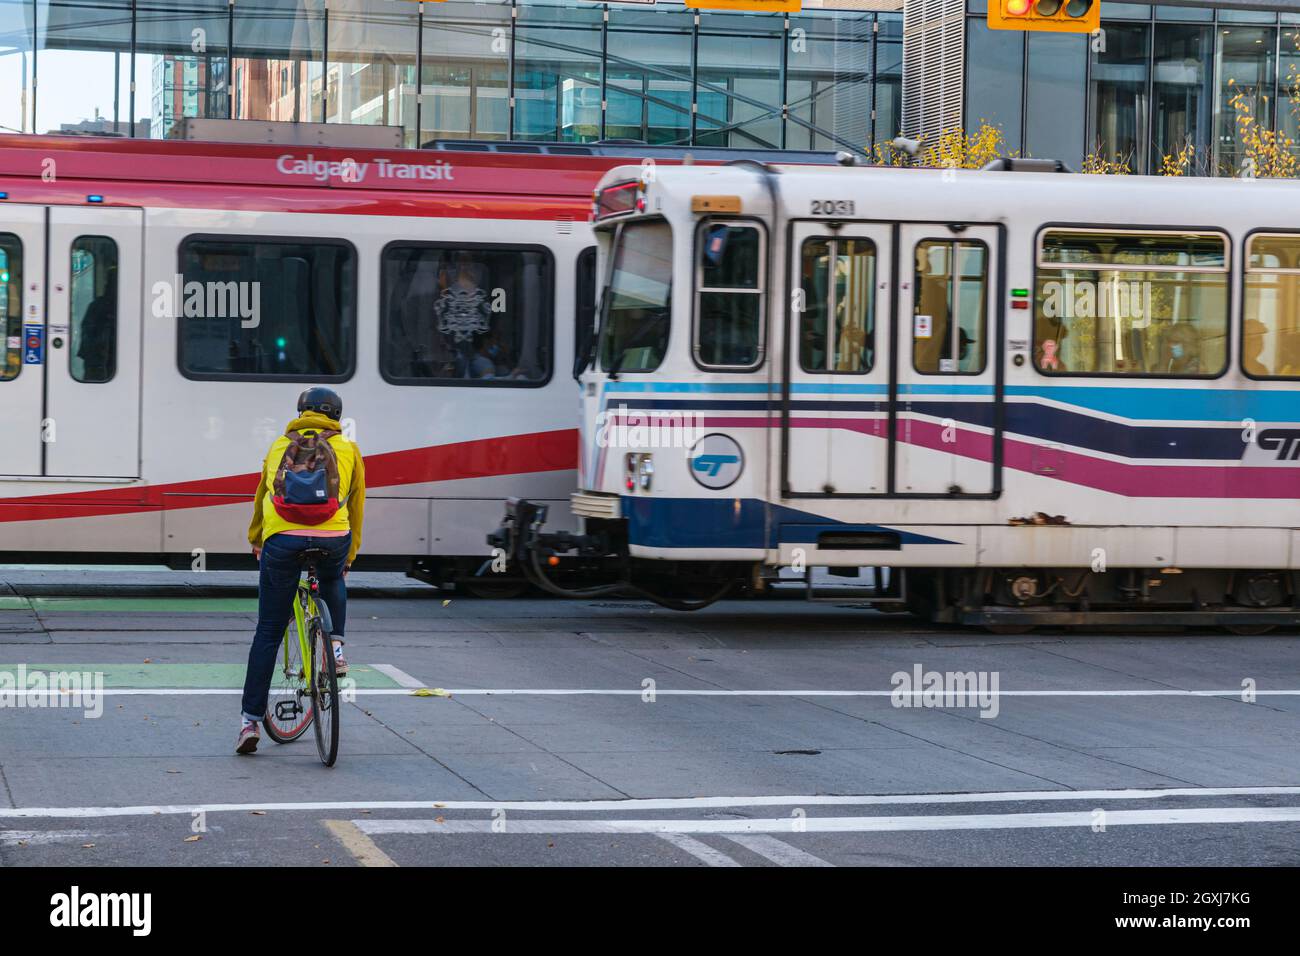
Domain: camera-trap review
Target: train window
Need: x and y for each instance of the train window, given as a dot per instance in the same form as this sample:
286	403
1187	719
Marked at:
729	296
584	295
274	309
950	314
636	309
1271	314
466	315
837	323
1125	302
11	304
92	310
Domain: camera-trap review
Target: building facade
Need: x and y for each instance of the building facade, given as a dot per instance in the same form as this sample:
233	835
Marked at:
1159	79
841	74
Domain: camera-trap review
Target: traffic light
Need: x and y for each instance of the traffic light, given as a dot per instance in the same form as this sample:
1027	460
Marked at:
1051	16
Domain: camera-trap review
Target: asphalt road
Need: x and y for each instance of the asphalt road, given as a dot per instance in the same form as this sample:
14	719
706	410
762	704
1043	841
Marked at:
615	733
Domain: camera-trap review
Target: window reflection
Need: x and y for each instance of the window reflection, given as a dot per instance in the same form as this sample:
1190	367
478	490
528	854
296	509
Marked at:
93	309
11	304
1183	94
465	71
174	80
829	80
83	67
269	307
557	72
1119	97
1246	74
649	74
456	316
837	324
276	69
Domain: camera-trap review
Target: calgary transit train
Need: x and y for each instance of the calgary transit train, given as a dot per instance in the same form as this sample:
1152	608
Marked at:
164	303
1036	397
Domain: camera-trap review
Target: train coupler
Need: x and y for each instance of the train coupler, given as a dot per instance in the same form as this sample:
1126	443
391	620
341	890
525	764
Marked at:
521	538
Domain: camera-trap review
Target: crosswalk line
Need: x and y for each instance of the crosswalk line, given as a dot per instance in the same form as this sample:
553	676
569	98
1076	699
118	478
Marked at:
698	849
778	851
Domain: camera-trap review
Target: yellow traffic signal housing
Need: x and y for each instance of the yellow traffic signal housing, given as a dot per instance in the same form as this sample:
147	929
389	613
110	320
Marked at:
1051	16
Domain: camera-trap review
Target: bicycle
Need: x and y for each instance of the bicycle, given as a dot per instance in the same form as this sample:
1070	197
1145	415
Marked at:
307	692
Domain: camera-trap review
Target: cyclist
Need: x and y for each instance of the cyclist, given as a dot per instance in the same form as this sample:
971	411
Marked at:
284	525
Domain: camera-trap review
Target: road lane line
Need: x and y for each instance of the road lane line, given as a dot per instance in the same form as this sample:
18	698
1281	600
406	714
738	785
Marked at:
9	694
396	673
655	803
699	850
778	851
904	823
363	849
42	837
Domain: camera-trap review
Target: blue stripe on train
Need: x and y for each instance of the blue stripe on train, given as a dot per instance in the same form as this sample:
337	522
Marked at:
1126	401
734	523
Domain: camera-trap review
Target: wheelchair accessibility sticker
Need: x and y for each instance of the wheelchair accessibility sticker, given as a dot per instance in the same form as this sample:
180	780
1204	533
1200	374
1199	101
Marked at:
716	461
33	344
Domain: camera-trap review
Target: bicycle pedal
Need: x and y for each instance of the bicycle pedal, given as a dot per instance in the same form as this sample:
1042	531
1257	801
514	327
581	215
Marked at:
287	710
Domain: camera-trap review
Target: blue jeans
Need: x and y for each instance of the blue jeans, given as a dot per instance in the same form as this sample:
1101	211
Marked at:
276	587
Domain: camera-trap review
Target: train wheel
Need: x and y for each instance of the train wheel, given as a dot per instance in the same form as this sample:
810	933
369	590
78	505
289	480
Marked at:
1010	629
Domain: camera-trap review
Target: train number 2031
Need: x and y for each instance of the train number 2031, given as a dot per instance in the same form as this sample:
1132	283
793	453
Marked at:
832	207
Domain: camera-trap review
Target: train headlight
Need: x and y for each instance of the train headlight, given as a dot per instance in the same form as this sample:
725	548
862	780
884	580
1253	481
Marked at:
645	472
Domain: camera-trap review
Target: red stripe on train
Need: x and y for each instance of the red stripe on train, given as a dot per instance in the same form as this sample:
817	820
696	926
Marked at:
482	458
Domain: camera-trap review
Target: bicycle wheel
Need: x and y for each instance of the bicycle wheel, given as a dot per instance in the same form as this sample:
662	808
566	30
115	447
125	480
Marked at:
289	709
325	695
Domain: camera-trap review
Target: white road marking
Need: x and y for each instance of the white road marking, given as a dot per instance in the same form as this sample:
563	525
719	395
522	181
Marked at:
363	849
778	851
396	673
905	822
9	695
655	803
699	850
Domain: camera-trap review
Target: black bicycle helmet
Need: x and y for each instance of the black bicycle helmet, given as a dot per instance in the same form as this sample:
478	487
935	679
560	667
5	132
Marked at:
323	400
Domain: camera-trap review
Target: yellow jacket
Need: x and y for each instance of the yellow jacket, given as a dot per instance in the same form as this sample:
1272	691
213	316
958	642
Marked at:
352	487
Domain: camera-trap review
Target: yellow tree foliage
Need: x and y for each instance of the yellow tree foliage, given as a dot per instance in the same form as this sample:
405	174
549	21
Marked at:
1266	153
1179	163
1096	163
954	149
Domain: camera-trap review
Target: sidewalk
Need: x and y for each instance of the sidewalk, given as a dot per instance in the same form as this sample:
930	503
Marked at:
138	580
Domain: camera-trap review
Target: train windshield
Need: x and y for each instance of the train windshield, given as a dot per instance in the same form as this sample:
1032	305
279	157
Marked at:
634	326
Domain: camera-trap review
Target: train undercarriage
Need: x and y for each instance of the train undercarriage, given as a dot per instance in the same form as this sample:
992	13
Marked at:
1002	600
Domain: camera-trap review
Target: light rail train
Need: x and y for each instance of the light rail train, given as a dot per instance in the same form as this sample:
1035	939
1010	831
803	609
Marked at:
1035	397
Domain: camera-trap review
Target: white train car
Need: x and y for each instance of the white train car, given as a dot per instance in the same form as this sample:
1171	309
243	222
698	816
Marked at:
1037	397
164	304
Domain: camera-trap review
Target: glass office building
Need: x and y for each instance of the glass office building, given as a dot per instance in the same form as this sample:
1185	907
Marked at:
567	70
1164	78
578	71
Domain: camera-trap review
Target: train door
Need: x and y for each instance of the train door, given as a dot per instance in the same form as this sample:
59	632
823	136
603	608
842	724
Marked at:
22	318
947	393
92	364
836	403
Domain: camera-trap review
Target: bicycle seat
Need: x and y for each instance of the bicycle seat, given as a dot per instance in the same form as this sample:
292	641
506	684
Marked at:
312	556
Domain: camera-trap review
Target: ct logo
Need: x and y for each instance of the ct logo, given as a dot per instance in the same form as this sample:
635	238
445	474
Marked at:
716	461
